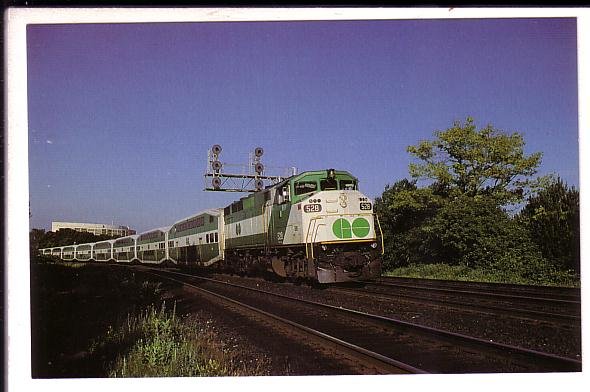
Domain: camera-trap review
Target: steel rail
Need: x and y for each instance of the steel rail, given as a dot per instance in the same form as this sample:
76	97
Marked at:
475	293
565	363
555	292
514	312
371	354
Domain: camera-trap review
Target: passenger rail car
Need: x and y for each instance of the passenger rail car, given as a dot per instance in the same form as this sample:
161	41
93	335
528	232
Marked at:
197	239
84	252
151	246
125	249
316	226
103	251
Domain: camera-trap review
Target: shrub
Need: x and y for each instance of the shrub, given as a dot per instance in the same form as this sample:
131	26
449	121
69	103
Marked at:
553	220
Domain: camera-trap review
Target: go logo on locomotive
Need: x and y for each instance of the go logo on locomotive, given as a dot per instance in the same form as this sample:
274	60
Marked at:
343	229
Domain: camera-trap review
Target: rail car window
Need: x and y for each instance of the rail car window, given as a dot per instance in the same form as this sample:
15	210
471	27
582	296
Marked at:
302	187
216	237
349	185
207	238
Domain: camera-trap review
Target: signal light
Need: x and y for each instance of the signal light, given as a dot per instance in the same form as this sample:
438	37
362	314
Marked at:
259	167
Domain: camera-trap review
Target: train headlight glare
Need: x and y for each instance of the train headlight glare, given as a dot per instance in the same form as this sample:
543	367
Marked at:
324	248
374	245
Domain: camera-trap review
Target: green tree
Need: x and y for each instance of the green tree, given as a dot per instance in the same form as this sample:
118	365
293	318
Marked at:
477	233
487	162
36	237
40	239
552	217
404	211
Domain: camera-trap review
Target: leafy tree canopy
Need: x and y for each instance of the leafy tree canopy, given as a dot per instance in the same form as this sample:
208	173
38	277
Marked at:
40	239
553	218
487	162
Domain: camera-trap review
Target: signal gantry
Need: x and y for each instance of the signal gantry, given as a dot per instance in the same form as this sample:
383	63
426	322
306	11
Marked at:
227	177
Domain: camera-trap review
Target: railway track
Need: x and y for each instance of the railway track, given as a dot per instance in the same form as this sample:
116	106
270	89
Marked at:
565	294
504	306
395	344
538	305
376	362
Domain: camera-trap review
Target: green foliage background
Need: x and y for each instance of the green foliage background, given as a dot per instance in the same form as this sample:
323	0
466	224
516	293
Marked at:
461	219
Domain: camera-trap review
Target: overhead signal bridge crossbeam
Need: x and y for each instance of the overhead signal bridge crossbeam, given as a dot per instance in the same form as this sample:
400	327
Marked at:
238	182
252	178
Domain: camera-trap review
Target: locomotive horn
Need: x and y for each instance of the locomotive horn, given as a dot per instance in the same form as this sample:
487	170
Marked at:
258	151
216	149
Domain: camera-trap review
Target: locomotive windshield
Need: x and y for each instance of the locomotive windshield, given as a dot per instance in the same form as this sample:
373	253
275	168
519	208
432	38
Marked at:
302	187
329	180
349	185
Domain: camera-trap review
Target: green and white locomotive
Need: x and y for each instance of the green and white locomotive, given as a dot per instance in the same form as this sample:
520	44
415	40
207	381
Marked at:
313	226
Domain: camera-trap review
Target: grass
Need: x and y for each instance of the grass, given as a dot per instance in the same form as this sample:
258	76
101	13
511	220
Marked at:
164	345
95	321
463	273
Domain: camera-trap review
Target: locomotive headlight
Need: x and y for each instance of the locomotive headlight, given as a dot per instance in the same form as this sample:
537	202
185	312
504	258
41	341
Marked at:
324	248
374	245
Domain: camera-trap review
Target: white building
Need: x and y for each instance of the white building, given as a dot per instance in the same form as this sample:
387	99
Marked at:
94	228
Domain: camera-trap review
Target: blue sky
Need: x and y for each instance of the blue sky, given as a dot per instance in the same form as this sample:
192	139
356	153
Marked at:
121	115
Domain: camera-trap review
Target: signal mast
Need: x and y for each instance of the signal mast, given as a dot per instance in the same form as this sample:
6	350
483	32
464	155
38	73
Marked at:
252	177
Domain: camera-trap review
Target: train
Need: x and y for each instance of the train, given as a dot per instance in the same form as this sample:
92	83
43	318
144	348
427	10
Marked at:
314	226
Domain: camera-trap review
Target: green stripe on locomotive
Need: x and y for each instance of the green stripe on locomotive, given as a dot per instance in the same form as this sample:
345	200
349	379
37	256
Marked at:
242	216
248	241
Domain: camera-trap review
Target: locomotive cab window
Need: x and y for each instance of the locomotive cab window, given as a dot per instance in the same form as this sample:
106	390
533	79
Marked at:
302	187
329	184
348	185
